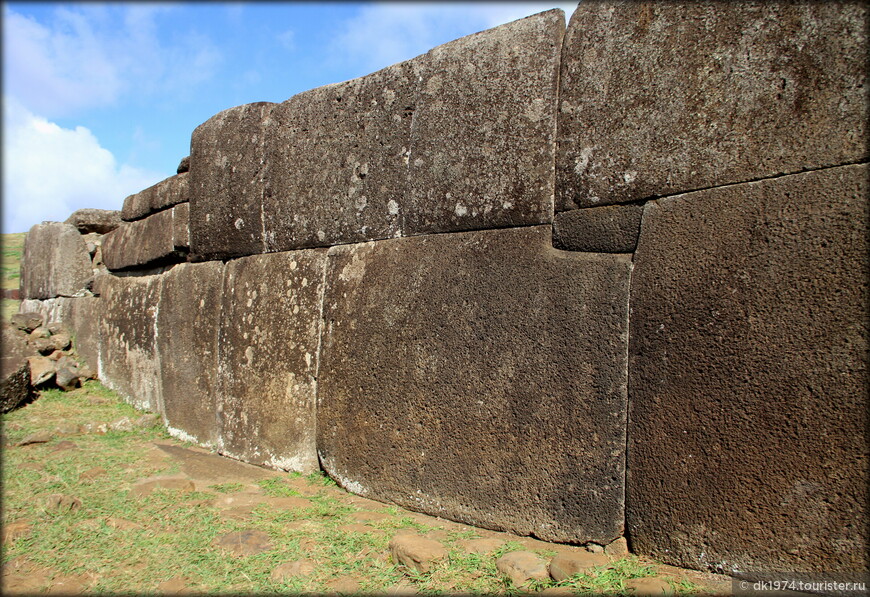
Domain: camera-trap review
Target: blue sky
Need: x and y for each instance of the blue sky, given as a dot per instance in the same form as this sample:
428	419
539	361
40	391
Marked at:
99	100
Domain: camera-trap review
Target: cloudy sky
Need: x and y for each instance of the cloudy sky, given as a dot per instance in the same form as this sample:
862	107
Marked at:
99	100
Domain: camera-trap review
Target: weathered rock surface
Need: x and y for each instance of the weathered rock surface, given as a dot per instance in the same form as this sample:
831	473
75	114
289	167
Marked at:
415	552
608	229
648	587
269	338
15	383
55	262
42	370
483	137
27	321
245	543
99	221
440	351
63	503
749	373
665	97
144	487
189	319
183	165
159	238
226	183
564	566
294	569
522	566
164	194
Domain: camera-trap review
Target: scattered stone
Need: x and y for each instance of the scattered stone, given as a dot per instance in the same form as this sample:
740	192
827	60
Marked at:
92	473
63	503
245	543
85	373
402	588
64	445
122	424
97	401
68	429
344	585
245	499
14	531
61	341
99	221
16	387
237	513
567	565
55	327
56	355
414	551
144	487
122	524
294	569
43	346
26	321
594	548
42	370
369	516
176	585
145	421
481	546
95	428
355	528
67	379
522	566
557	591
40	332
38	437
648	586
617	548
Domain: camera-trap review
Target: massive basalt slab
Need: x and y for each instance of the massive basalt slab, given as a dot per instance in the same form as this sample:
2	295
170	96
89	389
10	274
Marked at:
479	376
159	238
82	317
338	160
269	338
129	361
749	336
226	183
166	193
189	320
608	229
483	138
55	262
665	97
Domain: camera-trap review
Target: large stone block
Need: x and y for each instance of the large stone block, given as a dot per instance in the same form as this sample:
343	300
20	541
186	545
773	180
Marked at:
483	140
226	183
660	98
608	229
188	323
159	238
337	159
55	262
82	317
129	361
479	376
166	193
749	336
269	341
94	221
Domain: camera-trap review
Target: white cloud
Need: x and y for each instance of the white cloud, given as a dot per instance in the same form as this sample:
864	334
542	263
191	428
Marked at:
386	33
50	171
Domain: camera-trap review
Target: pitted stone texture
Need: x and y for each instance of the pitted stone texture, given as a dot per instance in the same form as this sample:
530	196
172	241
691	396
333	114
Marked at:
188	320
749	376
164	194
666	97
129	362
82	316
483	138
55	262
159	238
609	229
481	377
337	159
269	335
99	221
226	183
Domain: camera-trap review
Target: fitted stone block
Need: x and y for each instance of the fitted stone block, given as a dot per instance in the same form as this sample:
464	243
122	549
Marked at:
749	335
160	238
166	193
338	160
226	183
82	317
94	221
129	361
188	321
483	137
608	229
55	262
269	338
479	376
660	98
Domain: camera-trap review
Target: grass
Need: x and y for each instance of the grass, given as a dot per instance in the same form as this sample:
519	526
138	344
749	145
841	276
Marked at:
169	535
10	262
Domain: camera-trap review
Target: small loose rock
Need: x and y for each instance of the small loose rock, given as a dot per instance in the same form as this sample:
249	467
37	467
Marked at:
648	587
416	552
567	565
144	487
245	543
617	548
63	503
38	437
522	566
294	569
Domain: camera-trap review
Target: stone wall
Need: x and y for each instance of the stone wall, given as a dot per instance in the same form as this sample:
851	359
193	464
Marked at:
579	284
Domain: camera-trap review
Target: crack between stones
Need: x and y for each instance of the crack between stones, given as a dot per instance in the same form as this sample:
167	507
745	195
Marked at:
320	327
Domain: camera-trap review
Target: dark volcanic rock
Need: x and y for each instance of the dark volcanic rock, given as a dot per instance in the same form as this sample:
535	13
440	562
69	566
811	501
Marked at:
15	386
609	229
99	221
481	377
164	194
55	262
749	339
159	238
183	165
665	97
27	321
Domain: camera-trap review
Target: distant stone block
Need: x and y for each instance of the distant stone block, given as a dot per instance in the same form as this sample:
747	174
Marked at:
609	229
479	376
660	98
226	183
164	194
483	138
188	321
749	375
269	338
99	221
55	262
160	238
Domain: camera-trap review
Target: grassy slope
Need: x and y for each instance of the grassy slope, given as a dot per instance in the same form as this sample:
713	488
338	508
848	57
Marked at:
13	245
